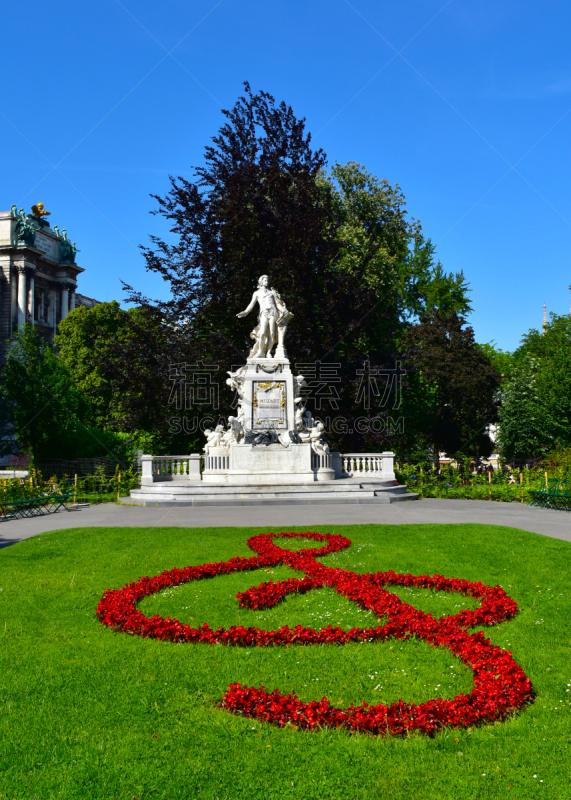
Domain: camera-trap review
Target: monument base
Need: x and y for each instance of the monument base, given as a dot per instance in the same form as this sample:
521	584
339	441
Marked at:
342	491
274	475
266	464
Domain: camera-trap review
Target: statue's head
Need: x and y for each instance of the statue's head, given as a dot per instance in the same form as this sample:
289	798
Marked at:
263	281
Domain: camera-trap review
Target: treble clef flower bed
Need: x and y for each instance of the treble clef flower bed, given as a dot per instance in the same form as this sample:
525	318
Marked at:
500	685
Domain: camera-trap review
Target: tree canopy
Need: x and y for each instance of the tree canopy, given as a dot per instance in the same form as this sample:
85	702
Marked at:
349	263
385	255
535	416
463	381
119	361
43	411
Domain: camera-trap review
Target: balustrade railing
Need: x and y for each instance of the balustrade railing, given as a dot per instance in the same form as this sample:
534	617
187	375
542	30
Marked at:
321	461
156	469
173	466
184	468
217	463
363	465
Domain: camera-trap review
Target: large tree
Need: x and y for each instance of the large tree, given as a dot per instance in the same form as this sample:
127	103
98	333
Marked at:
120	361
255	207
388	265
42	412
535	416
349	264
463	381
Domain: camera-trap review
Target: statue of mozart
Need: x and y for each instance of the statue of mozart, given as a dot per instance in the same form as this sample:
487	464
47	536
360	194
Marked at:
273	318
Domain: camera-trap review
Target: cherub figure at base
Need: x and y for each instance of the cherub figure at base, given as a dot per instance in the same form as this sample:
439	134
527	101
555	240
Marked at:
214	438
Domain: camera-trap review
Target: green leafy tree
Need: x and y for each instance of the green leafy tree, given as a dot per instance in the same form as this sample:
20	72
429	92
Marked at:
120	361
43	413
535	416
522	423
383	252
501	360
463	381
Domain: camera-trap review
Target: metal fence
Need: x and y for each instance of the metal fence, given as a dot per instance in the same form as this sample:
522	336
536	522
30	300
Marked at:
60	468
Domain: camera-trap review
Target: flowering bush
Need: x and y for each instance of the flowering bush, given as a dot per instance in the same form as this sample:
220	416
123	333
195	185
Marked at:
500	685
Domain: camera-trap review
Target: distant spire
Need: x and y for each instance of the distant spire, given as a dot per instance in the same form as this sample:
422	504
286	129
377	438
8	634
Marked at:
544	318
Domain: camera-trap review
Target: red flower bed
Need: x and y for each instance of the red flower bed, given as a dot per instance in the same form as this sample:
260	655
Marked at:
500	685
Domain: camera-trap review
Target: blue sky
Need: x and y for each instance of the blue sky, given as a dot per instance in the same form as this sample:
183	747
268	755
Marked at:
466	104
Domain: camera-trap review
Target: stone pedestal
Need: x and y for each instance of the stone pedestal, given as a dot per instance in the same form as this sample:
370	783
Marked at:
247	464
267	396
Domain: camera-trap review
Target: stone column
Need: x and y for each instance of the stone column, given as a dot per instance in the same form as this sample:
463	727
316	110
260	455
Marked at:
195	460
21	297
32	299
388	468
147	470
13	301
72	298
64	301
53	310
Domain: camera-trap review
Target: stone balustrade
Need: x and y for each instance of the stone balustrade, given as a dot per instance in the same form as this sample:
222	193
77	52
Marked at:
319	461
157	469
369	465
218	460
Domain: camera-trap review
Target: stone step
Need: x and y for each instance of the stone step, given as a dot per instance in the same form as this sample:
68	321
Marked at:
267	500
326	487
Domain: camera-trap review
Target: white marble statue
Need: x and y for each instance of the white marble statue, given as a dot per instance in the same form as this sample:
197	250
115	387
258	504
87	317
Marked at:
235	432
236	381
298	383
236	384
273	318
214	438
314	436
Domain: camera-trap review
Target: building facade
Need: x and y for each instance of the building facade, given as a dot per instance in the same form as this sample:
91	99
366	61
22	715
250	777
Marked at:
38	275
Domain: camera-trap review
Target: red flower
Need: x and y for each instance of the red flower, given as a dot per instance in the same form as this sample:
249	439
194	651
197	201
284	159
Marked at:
500	685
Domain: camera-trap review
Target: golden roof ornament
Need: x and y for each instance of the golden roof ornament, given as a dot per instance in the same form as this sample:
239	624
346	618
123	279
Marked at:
39	211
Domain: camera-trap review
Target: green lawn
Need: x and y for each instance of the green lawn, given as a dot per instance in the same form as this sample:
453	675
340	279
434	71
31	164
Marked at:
89	713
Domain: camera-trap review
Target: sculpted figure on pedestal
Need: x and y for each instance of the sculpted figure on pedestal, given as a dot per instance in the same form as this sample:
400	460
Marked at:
213	438
298	383
25	228
236	384
235	432
273	318
315	437
236	381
